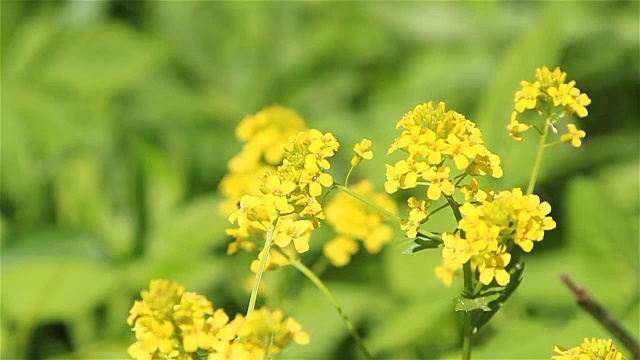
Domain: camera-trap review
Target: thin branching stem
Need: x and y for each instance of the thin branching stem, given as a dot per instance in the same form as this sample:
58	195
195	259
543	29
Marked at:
261	267
325	291
538	162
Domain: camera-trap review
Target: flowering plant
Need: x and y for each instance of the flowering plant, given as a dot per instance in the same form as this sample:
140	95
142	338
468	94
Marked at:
279	190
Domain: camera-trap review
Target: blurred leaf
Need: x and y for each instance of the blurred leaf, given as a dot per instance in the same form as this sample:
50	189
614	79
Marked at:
101	58
54	289
606	247
164	183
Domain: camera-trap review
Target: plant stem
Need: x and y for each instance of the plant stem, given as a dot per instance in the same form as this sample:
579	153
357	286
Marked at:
368	202
538	162
467	321
263	264
321	286
346	180
467	272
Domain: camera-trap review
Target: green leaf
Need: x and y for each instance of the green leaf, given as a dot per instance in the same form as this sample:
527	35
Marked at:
100	58
421	242
480	303
503	293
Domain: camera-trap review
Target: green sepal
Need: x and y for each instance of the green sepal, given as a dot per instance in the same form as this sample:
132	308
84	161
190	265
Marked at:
421	242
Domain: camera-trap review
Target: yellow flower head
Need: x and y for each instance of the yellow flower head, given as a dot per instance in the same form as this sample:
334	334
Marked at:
551	95
170	323
506	218
363	151
594	349
574	135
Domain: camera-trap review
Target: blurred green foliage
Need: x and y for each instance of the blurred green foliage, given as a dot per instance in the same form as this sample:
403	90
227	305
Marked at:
118	118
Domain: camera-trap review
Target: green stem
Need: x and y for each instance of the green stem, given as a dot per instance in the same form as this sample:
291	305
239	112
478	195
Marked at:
263	264
321	286
368	202
538	162
467	272
346	180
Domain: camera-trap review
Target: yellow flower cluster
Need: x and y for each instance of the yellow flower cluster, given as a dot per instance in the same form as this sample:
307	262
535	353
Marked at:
354	220
430	137
548	93
289	194
489	230
594	349
172	323
263	136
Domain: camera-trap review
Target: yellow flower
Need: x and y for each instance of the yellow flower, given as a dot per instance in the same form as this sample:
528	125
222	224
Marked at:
486	164
594	349
579	103
403	175
315	181
297	232
417	215
561	95
548	78
574	135
493	266
526	98
243	214
516	128
170	323
363	151
438	182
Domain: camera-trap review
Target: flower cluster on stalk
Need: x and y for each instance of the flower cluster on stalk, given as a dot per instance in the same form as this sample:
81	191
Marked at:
491	228
553	97
594	349
438	142
289	196
172	323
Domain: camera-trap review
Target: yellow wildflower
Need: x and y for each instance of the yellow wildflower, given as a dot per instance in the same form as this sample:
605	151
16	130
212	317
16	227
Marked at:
363	151
526	98
417	215
516	128
594	349
297	232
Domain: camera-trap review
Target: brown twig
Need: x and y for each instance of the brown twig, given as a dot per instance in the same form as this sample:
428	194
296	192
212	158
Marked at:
605	319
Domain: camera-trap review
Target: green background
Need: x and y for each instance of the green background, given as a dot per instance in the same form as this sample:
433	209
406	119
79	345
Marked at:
118	119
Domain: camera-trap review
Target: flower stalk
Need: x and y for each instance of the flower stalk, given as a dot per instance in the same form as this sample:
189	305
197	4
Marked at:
325	291
261	267
538	162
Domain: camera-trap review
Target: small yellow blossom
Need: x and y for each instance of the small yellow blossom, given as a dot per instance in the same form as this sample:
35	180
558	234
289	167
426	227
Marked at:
363	151
297	232
417	215
594	349
526	98
516	128
439	182
403	175
493	266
